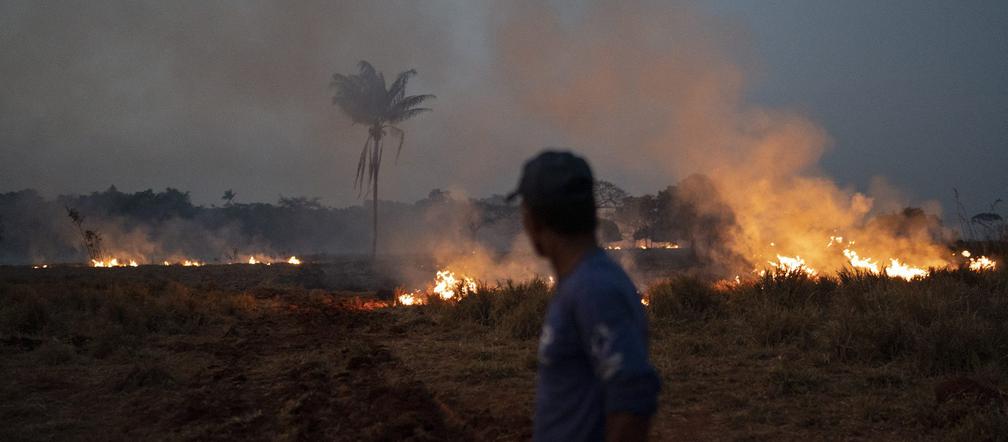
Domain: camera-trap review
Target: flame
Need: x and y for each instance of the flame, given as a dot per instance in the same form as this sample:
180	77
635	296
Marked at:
446	283
252	260
645	302
793	264
414	298
188	263
897	269
981	264
861	263
446	286
294	261
43	266
113	262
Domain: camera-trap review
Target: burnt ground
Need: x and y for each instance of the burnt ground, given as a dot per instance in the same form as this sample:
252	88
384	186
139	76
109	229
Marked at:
295	373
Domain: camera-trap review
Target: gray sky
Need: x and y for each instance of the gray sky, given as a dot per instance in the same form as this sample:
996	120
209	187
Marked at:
915	91
206	96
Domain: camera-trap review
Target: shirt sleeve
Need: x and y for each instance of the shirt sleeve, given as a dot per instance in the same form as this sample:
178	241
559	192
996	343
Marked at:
614	337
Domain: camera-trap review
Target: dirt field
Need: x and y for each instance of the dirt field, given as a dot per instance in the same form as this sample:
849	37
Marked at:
242	352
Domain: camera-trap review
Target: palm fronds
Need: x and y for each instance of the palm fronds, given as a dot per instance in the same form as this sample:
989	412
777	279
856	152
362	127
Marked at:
368	100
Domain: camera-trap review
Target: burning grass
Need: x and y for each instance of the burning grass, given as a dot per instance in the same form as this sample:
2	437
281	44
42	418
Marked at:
782	356
867	349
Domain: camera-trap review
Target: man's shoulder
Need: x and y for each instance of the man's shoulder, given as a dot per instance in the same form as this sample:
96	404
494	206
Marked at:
599	275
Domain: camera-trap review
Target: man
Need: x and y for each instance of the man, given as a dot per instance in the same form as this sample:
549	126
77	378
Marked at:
594	381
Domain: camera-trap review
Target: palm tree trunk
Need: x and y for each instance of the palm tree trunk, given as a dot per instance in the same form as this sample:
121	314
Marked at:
376	160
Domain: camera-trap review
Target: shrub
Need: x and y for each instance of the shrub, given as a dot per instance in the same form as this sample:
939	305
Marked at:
868	336
771	324
684	298
513	309
792	288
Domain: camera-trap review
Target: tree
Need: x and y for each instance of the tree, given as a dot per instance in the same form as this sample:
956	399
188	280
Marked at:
638	214
694	211
609	231
228	197
300	203
365	99
90	239
608	195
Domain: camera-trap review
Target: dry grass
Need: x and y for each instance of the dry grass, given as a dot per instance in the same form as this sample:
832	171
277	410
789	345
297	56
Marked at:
854	356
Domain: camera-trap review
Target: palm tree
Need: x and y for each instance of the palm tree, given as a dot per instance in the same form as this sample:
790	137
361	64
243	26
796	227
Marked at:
365	98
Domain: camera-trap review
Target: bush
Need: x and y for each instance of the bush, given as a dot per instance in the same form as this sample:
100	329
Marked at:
772	324
868	336
23	311
791	289
683	298
512	309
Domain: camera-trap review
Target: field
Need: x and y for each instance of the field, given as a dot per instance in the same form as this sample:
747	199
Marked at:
315	352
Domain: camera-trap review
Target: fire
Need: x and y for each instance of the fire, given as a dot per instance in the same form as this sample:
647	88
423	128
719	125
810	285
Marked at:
185	263
446	283
447	286
43	266
897	269
105	263
981	264
861	263
793	264
113	262
252	260
294	260
411	299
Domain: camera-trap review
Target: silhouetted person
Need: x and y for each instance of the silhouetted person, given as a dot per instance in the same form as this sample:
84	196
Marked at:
595	381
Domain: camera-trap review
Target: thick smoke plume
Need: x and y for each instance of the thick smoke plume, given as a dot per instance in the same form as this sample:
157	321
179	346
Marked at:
656	93
234	94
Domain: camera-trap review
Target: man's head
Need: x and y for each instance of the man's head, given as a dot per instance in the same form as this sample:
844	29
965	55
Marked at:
558	200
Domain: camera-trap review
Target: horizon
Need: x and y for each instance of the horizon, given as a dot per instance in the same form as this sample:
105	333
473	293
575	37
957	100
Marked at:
920	112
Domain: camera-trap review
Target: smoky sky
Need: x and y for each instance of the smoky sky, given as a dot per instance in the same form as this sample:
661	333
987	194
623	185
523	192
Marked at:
209	96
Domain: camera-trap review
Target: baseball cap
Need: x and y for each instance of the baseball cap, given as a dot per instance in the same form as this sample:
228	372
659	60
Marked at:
554	177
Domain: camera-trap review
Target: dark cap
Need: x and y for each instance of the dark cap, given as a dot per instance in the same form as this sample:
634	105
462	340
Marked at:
555	177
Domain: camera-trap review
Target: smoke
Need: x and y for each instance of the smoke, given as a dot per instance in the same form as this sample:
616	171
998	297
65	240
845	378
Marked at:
215	95
655	92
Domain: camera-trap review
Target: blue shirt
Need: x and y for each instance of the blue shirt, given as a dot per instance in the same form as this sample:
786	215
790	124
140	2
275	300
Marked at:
593	354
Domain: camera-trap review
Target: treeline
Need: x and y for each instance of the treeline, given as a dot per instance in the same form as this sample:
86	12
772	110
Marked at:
165	225
152	226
